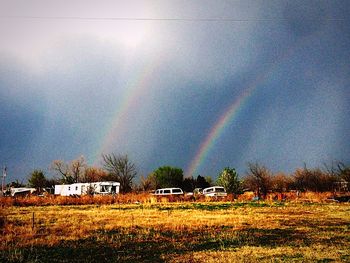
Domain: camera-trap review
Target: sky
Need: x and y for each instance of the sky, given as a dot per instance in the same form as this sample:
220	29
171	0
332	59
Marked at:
195	84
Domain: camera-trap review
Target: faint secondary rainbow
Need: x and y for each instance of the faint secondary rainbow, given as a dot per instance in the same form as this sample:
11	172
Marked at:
218	128
232	111
137	88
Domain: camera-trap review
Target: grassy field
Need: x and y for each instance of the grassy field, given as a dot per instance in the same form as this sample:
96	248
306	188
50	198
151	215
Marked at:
177	232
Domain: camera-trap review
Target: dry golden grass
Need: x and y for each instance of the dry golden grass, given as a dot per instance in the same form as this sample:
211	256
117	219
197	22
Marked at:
148	198
177	232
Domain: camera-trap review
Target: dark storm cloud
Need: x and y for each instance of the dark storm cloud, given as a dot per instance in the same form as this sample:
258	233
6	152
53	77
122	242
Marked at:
305	17
62	86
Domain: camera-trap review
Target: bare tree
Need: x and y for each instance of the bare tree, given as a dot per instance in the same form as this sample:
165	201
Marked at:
344	174
78	167
314	179
338	170
281	182
148	183
72	172
121	169
62	170
94	174
258	179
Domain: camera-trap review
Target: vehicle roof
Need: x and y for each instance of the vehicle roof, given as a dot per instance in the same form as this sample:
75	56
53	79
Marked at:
101	183
217	186
171	188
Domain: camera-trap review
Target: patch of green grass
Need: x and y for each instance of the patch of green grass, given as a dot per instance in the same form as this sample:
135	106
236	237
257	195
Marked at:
88	250
325	260
216	205
297	257
211	207
345	258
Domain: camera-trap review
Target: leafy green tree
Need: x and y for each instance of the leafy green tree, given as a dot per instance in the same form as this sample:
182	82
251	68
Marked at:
167	176
188	184
120	169
209	179
37	180
15	184
228	178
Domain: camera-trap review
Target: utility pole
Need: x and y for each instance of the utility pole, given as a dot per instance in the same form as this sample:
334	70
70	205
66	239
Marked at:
4	173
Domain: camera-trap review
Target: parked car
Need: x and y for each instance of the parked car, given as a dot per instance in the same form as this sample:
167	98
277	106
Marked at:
215	191
169	191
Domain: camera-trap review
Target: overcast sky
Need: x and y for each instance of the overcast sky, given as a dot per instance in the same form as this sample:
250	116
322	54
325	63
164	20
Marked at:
153	79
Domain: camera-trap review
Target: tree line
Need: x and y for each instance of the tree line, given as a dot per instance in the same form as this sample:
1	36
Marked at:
258	178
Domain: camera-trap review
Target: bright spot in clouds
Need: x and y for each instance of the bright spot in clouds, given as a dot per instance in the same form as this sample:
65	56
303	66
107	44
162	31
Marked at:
131	34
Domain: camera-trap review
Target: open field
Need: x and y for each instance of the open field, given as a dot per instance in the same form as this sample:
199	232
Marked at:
177	232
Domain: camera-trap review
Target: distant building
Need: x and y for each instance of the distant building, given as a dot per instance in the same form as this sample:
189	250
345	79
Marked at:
341	186
21	191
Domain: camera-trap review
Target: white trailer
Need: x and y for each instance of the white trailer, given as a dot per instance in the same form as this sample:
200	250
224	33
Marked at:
17	191
102	188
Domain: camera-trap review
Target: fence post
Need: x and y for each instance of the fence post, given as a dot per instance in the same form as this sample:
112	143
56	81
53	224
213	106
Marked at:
33	219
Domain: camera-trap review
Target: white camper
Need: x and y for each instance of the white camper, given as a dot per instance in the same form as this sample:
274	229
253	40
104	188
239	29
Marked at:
102	188
17	191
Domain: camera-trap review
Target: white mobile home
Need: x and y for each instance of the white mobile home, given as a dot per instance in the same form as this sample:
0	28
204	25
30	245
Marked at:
21	191
102	188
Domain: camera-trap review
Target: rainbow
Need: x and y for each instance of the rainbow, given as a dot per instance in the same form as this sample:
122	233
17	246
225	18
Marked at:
136	89
216	131
233	110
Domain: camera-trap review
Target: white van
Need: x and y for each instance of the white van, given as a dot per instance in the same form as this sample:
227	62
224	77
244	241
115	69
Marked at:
217	191
169	191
